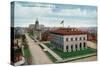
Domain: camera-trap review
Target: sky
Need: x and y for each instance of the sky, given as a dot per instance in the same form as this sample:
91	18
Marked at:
51	15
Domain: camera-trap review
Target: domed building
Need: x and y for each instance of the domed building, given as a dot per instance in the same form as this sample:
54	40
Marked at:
37	30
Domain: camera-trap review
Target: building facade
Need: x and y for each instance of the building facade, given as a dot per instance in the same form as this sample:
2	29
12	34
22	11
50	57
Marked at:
69	39
37	30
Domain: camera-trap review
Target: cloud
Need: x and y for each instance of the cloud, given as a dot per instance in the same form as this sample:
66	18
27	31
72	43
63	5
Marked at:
76	12
44	5
26	13
40	10
29	12
72	22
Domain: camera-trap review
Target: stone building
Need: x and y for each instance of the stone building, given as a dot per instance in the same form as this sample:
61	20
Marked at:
69	39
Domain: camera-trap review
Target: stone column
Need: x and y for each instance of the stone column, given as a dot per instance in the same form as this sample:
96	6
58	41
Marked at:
69	48
86	45
82	46
64	48
78	46
74	49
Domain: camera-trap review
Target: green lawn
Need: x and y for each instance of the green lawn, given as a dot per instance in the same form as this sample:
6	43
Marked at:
71	54
30	33
27	52
48	45
75	53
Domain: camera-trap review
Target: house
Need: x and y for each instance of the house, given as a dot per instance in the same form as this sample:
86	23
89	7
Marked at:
69	39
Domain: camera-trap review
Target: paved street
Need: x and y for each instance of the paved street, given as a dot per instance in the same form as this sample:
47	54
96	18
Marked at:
38	56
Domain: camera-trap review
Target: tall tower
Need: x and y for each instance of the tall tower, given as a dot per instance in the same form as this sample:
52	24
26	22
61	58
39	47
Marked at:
36	25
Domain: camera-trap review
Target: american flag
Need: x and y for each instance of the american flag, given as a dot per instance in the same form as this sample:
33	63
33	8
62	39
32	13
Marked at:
62	22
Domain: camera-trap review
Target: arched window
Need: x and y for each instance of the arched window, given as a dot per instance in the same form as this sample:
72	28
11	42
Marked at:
83	38
66	39
76	46
76	38
72	47
67	48
71	39
80	45
84	44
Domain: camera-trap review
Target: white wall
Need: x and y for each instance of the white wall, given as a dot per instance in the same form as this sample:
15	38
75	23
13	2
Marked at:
74	42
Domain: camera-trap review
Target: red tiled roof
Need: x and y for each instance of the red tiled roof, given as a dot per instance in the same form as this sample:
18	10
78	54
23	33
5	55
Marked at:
68	31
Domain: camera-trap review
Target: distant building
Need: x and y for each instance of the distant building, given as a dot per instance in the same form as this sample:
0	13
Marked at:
91	37
69	39
36	25
46	36
31	26
18	31
37	30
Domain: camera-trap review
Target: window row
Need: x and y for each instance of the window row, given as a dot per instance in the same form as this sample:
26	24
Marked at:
75	39
76	46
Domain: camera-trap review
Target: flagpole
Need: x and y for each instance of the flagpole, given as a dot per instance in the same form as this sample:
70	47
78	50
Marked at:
63	24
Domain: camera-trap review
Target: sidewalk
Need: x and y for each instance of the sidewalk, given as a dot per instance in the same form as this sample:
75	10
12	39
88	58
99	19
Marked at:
50	51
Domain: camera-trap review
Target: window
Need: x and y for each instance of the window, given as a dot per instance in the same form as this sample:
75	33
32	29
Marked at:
71	39
76	38
66	39
84	44
80	45
66	47
83	38
80	38
76	46
71	46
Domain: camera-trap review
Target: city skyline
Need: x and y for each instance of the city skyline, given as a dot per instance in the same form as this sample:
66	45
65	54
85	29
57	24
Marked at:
51	15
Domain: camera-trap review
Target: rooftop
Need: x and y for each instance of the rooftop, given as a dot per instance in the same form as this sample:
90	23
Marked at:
68	31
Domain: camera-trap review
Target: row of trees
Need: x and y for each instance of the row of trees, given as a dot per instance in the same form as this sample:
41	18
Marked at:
24	43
